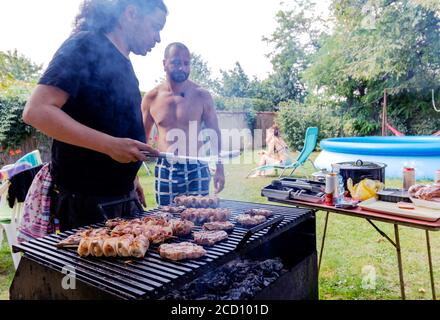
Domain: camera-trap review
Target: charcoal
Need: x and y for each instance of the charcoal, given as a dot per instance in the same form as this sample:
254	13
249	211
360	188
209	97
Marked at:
237	280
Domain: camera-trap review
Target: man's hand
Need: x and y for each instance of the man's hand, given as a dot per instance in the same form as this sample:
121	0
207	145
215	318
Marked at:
139	192
127	150
219	179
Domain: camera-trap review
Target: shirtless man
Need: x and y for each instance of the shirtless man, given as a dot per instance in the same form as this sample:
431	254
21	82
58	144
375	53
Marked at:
179	107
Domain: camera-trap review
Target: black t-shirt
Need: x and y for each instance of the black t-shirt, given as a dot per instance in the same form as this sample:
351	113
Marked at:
103	95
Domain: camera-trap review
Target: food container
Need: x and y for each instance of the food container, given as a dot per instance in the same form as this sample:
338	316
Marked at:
394	195
360	170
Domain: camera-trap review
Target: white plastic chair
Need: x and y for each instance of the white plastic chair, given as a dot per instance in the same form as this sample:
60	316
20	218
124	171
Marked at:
10	220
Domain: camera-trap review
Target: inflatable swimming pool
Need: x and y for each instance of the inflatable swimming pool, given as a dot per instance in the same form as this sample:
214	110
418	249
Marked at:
420	152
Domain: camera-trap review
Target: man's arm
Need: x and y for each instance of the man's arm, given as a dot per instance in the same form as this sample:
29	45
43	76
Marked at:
210	120
43	111
146	115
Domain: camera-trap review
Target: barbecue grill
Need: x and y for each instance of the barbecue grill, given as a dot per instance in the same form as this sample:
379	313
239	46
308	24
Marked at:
289	235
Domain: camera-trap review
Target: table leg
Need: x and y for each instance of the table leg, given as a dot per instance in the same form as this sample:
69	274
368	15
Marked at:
428	244
323	241
399	261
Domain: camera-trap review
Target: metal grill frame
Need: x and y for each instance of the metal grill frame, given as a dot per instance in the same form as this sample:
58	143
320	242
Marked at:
153	276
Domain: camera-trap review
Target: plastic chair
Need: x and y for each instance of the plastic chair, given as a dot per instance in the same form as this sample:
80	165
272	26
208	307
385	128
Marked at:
310	141
9	220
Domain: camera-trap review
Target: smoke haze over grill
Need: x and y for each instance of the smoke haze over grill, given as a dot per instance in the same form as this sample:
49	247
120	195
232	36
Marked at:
222	32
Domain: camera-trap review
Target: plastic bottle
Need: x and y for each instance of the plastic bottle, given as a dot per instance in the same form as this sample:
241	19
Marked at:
340	189
409	178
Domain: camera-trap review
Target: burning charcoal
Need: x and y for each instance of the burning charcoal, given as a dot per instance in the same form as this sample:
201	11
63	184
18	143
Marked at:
237	280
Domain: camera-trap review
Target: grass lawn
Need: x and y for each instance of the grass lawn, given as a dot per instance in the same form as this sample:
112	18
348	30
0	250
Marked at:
351	245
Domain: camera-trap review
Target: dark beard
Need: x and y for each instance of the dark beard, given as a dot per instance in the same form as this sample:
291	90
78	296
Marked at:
179	76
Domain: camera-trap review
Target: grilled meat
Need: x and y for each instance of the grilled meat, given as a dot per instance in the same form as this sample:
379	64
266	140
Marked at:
181	227
124	246
172	209
197	201
250	221
218	225
124	243
138	248
425	192
205	215
75	239
259	212
209	237
181	251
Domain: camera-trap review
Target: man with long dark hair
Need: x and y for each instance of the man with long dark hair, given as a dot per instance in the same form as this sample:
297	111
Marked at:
89	101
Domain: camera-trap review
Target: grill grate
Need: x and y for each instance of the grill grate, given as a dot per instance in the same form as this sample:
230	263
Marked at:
152	277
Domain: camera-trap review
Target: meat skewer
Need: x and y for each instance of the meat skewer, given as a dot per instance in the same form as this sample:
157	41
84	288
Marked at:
205	215
197	201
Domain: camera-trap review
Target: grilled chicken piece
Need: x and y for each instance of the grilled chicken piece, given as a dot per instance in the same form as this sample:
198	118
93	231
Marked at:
181	227
428	192
75	239
84	247
259	212
114	222
164	215
138	248
218	225
209	238
96	247
124	243
414	189
250	221
181	251
158	234
70	241
110	247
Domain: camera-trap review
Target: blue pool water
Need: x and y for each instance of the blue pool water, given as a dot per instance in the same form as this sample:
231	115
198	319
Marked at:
420	152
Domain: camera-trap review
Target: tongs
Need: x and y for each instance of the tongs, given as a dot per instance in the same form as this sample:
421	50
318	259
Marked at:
217	158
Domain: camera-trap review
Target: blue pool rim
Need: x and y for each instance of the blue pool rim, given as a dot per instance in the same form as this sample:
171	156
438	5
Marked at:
425	146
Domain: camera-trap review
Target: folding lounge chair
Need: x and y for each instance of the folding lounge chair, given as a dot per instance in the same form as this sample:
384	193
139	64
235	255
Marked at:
310	141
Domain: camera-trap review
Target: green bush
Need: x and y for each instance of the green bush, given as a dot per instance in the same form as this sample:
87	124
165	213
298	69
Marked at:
13	131
294	119
242	104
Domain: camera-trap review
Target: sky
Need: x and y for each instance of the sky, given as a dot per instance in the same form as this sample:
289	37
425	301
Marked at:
221	31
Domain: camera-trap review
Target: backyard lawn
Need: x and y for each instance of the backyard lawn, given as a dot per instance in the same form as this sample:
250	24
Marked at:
352	246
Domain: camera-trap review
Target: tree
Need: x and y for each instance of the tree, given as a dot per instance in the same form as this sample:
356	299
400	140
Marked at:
235	83
201	73
295	39
18	74
18	67
378	44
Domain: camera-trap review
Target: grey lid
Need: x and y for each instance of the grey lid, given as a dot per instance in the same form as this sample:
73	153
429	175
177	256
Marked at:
359	164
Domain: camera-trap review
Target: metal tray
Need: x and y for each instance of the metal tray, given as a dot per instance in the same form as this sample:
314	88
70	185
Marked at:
280	190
